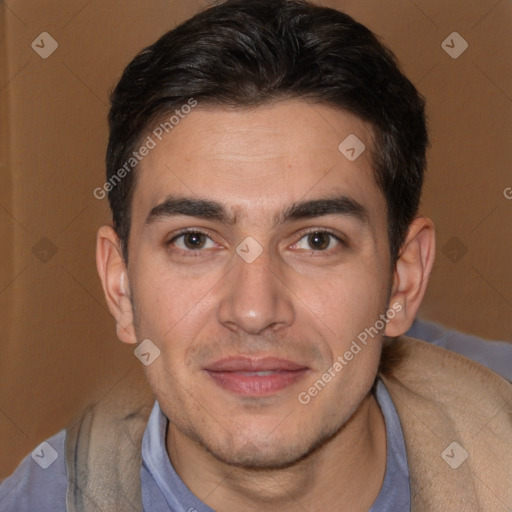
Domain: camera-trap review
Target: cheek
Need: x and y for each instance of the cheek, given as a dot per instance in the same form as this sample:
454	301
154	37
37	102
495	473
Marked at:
169	301
346	301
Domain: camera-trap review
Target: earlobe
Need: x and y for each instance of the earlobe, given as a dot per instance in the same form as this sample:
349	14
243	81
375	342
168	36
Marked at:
114	279
411	275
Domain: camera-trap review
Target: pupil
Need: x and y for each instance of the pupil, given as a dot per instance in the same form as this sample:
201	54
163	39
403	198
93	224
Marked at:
319	240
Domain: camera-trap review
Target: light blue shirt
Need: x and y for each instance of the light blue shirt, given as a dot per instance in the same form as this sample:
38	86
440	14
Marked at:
31	488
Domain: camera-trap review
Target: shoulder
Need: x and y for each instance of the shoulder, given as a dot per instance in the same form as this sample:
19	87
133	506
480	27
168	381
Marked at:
496	355
450	406
39	482
434	374
103	448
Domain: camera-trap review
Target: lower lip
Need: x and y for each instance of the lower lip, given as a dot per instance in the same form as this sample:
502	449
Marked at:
251	384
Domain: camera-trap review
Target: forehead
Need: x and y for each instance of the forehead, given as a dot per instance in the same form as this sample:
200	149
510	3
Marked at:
258	160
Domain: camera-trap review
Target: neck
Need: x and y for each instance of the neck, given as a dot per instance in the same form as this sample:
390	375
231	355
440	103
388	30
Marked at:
347	470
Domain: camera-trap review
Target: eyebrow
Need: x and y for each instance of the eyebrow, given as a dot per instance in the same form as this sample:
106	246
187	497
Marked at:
340	205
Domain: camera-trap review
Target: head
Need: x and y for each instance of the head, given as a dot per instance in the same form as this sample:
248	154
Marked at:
285	139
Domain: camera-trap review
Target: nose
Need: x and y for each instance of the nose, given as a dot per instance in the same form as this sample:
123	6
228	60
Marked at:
255	297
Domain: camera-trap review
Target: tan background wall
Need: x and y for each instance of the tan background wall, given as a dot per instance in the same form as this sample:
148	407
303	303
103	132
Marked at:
58	345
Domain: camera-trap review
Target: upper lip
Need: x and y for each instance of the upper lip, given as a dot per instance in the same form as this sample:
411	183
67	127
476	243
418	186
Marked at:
253	364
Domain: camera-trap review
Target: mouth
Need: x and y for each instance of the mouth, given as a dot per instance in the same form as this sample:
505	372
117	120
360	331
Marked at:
247	376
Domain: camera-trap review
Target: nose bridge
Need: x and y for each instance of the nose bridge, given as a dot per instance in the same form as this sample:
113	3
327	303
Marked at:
254	297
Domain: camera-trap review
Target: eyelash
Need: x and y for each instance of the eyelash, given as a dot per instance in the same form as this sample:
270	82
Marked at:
196	252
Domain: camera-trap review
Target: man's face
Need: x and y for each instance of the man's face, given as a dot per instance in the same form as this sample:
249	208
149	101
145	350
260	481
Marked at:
242	334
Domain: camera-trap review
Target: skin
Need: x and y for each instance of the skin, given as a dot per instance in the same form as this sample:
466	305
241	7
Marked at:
301	299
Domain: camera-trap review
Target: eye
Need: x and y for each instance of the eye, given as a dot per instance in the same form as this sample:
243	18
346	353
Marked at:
319	241
192	241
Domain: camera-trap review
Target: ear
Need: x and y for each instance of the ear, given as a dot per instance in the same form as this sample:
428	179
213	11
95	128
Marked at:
114	278
411	275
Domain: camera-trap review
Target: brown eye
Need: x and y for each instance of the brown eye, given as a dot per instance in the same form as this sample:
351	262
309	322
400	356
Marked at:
192	241
320	241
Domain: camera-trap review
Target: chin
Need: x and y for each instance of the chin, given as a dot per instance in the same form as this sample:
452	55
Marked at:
253	457
270	452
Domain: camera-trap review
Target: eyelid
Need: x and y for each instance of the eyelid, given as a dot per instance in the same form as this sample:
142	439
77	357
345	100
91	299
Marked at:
338	237
184	231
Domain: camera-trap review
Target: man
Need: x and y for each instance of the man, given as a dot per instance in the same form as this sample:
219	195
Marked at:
264	171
